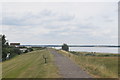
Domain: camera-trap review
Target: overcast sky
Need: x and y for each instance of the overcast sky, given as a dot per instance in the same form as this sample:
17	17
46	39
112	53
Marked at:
57	23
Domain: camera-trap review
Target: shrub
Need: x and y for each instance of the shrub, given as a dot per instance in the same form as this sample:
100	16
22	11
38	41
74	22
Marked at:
65	47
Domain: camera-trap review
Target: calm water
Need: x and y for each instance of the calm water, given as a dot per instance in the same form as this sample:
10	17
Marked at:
95	49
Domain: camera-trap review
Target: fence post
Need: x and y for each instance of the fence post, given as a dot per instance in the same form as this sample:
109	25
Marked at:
45	59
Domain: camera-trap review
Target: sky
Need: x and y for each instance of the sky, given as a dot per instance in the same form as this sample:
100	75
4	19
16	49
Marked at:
60	22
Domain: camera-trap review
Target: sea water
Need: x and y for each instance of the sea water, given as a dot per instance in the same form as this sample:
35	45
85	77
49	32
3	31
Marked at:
95	49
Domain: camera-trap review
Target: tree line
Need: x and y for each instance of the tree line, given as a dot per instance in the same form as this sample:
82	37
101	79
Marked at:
9	50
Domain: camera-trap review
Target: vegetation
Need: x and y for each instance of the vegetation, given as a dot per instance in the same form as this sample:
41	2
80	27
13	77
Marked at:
30	49
31	65
94	54
12	50
6	49
65	47
96	65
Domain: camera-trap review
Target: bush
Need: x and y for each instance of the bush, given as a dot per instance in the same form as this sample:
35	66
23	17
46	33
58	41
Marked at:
26	51
14	51
8	49
30	49
65	47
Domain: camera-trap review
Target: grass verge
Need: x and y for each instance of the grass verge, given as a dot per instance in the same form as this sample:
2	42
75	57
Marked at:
30	65
96	66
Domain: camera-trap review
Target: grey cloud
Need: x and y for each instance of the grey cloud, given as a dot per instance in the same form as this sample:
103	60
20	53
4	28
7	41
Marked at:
11	21
43	17
66	18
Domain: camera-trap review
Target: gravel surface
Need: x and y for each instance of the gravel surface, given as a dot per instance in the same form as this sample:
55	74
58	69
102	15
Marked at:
67	68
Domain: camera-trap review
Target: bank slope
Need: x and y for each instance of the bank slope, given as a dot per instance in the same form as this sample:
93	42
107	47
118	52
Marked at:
30	65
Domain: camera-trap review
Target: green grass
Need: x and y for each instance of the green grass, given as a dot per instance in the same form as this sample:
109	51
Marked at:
96	66
30	65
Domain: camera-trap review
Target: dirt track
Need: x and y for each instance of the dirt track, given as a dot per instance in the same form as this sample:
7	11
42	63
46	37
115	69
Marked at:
67	68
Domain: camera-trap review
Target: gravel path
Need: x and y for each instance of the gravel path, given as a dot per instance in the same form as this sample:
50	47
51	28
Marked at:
67	68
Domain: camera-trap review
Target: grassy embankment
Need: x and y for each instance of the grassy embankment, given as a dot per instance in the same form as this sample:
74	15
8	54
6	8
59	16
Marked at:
30	65
97	65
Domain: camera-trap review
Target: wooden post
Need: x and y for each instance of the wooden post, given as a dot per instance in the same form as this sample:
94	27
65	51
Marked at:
45	59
